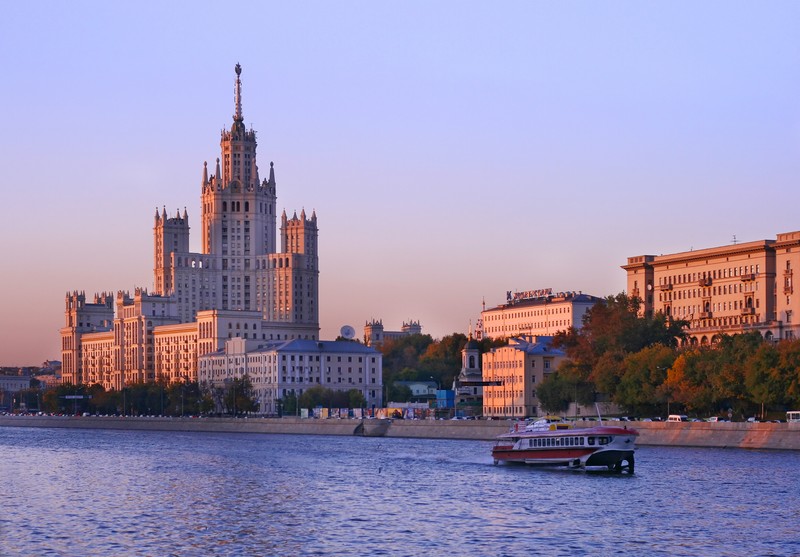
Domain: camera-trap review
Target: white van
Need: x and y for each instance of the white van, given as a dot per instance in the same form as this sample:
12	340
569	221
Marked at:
678	418
793	416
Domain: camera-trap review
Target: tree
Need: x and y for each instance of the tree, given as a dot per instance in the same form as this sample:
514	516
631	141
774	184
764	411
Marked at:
611	330
239	396
763	378
643	374
789	364
399	393
554	393
357	399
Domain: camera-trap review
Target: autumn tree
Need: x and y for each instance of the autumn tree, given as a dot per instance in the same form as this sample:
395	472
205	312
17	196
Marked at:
611	330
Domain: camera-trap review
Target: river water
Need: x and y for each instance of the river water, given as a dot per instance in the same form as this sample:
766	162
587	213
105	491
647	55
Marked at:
135	493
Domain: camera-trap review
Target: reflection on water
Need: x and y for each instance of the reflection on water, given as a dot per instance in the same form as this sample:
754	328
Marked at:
85	493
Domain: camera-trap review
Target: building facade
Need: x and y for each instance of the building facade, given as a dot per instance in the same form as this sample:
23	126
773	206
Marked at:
723	290
512	373
239	285
278	369
534	312
375	335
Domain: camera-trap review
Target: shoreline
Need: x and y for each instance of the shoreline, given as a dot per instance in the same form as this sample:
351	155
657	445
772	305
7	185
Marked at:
782	436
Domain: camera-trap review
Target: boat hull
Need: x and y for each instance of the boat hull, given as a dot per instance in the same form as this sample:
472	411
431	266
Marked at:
602	446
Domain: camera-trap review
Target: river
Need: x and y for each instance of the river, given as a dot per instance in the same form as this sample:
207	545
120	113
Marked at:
70	492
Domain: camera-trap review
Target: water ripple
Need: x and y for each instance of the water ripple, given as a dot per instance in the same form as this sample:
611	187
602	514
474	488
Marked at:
85	493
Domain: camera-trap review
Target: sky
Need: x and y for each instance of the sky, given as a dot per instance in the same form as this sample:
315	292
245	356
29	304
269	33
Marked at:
452	150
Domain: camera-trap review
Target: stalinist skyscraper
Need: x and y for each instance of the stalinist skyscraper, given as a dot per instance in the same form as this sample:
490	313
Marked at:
239	285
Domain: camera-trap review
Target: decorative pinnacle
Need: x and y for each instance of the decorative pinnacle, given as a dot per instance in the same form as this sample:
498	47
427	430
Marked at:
237	94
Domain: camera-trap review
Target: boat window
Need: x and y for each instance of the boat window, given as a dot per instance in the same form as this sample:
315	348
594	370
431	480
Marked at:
530	442
591	440
603	440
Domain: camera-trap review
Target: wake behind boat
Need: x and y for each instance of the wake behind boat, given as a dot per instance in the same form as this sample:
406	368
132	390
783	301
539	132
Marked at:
554	442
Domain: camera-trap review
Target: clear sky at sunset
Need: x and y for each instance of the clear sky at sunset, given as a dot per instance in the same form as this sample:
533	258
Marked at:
452	150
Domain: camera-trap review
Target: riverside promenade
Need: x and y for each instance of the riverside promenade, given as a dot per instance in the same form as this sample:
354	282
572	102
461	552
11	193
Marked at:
781	436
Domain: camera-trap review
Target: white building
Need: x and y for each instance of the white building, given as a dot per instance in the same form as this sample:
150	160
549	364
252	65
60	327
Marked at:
238	286
290	367
535	312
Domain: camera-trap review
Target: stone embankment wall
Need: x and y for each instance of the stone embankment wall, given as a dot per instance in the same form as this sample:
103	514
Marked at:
690	434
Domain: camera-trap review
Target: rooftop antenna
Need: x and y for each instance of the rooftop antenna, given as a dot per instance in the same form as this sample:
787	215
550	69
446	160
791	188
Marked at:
734	239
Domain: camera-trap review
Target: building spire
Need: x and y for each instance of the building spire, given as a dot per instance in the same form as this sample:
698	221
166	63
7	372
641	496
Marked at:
237	117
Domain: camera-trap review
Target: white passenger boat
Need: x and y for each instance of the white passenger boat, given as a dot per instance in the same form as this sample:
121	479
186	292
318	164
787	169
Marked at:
553	442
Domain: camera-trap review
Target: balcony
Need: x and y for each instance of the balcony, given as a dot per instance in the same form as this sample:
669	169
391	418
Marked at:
667	286
706	315
704	282
748	276
748	311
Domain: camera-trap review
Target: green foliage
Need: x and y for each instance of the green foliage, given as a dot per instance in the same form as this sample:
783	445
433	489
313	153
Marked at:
555	393
239	397
319	396
642	373
399	393
420	358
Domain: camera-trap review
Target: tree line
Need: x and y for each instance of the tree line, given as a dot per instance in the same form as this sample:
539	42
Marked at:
421	358
641	364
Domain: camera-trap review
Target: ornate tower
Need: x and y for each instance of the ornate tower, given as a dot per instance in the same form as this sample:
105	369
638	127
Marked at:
238	211
170	235
293	279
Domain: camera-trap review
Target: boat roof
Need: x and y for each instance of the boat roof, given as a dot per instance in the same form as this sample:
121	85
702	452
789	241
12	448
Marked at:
596	430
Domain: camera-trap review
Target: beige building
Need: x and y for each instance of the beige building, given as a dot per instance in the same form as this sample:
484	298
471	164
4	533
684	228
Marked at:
534	312
517	369
238	286
723	290
375	335
290	367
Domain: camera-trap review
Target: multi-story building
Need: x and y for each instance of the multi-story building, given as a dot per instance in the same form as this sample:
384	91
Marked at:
239	285
375	335
534	312
277	369
511	374
730	289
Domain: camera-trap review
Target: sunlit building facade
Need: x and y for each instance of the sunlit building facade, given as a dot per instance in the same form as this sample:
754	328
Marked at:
534	312
732	289
512	374
239	285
